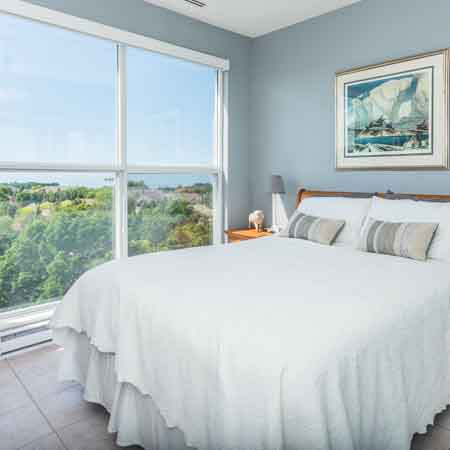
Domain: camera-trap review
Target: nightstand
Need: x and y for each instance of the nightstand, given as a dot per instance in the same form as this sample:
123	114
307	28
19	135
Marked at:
244	234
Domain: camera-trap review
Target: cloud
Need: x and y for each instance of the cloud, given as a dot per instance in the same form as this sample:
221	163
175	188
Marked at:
384	99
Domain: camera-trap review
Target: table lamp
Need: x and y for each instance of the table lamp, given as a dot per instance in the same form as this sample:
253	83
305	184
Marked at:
277	188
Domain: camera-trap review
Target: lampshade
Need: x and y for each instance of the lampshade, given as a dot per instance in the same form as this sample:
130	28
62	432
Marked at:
277	184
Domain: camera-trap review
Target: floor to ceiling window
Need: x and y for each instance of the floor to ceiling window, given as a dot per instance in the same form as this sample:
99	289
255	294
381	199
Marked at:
173	126
106	150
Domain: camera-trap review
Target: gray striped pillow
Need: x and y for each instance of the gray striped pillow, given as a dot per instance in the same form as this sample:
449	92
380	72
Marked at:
409	240
312	228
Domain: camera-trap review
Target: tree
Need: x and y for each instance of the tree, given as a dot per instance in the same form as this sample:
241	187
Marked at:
103	198
51	234
7	233
150	225
5	193
191	234
62	272
139	247
22	270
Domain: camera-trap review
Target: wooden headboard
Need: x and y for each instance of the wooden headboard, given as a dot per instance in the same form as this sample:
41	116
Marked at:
305	193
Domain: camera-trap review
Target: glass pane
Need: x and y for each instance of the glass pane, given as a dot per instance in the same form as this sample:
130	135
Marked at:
170	110
53	227
169	211
57	94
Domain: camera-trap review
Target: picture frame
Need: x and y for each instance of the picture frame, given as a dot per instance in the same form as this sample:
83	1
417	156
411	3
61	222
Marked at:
394	115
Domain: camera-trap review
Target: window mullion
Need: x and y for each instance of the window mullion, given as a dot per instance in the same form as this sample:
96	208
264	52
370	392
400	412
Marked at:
11	166
143	168
121	222
219	209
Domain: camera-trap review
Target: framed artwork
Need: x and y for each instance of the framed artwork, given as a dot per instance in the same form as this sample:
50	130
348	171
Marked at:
394	115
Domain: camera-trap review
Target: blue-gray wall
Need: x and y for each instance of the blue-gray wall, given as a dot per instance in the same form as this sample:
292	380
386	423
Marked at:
142	18
292	93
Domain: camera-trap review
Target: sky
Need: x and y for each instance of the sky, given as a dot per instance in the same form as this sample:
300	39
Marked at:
58	101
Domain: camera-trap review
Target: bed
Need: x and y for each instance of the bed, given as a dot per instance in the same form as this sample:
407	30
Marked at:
268	344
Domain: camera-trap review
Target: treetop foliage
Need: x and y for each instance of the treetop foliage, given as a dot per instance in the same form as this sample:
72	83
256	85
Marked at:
51	234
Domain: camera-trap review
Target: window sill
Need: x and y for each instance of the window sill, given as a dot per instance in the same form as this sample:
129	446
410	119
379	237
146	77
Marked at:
27	316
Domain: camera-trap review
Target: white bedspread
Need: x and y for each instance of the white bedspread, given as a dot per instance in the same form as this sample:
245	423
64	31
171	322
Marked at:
275	343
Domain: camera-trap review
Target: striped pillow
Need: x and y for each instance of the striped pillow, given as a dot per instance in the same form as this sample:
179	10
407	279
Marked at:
312	228
409	240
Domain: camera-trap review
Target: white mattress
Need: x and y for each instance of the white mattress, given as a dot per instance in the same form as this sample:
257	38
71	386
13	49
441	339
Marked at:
274	343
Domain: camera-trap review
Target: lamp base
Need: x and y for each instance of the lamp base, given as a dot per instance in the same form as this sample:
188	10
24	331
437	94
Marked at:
275	228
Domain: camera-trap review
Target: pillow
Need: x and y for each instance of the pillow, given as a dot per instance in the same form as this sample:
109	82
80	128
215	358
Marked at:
353	210
312	228
409	240
419	212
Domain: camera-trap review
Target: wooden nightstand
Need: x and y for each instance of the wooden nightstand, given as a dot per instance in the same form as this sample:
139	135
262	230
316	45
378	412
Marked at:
244	234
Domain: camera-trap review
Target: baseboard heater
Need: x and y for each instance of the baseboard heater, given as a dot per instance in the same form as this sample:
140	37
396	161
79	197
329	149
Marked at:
23	337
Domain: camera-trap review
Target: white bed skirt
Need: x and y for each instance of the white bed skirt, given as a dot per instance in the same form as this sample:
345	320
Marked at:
134	417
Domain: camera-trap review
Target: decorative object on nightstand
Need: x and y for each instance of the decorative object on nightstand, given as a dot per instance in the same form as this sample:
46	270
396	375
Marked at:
256	219
277	189
244	234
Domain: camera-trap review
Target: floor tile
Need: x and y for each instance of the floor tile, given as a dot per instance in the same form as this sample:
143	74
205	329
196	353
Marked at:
51	442
88	435
38	371
437	438
12	393
22	426
443	419
40	357
68	407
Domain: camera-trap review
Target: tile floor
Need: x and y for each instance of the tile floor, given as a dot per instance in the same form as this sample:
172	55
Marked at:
39	413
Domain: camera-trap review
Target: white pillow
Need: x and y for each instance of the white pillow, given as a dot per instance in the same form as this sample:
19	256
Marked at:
417	211
352	210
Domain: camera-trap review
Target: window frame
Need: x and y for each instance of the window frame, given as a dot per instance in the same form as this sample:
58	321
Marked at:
218	170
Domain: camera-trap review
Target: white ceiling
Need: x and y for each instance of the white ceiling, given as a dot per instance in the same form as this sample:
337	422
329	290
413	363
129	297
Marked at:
253	17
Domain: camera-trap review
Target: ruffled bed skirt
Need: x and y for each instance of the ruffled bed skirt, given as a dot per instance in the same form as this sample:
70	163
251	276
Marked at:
134	417
137	421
